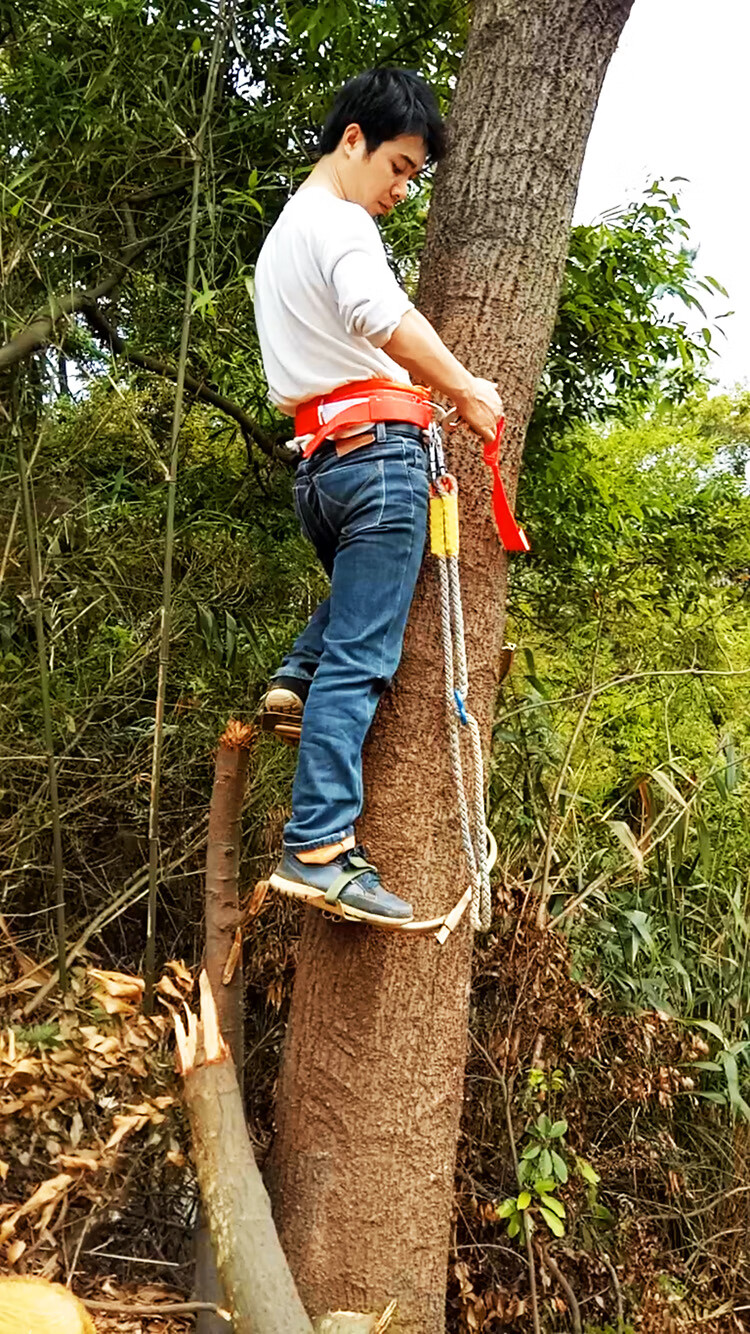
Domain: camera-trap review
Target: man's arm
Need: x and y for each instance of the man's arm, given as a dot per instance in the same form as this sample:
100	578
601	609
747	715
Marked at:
416	346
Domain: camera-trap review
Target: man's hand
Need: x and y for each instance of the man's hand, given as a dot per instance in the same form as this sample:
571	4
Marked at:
481	407
416	346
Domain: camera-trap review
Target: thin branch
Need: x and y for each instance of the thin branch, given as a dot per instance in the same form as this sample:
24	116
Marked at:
616	1285
158	1308
541	919
133	892
531	705
512	1141
100	325
40	329
558	1275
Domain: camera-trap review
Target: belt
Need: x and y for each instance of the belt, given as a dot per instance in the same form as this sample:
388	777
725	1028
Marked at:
359	404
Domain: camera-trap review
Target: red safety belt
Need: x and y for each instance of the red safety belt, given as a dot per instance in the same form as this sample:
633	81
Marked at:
512	537
365	403
369	401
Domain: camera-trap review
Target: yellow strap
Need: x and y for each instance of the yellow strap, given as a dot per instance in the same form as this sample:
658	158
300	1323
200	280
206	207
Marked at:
444	523
450	522
437	526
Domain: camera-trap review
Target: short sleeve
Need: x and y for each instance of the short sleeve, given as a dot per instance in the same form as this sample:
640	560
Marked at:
353	260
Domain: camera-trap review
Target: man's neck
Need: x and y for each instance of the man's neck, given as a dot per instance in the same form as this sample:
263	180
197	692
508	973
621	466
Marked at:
326	176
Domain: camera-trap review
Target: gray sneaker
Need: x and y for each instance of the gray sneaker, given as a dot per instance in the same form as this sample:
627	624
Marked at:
348	886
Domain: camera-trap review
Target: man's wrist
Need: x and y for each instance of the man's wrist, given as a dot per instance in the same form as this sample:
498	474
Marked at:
462	391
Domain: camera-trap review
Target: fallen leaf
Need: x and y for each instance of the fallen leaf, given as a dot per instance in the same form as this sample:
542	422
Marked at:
166	987
118	984
48	1191
113	1004
123	1127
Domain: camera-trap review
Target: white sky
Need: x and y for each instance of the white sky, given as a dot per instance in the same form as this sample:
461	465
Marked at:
676	102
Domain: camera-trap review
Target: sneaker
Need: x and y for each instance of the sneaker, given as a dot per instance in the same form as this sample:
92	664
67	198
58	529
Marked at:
349	886
282	714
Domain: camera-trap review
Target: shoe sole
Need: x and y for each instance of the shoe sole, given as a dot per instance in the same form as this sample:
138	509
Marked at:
286	726
317	899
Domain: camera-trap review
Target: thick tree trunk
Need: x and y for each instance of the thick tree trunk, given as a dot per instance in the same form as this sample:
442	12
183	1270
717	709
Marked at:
370	1091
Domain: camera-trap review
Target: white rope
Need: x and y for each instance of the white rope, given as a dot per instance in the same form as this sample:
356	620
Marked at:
475	836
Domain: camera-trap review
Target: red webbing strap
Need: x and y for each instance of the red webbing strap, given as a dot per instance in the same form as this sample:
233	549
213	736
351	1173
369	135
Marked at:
512	537
383	406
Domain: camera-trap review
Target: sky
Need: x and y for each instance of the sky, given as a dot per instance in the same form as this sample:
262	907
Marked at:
676	102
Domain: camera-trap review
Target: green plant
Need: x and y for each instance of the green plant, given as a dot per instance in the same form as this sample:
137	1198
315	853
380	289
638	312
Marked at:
544	1166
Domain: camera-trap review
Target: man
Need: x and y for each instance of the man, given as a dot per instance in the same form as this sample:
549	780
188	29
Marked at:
337	335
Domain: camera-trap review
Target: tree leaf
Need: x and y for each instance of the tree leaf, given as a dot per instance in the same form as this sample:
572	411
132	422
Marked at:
628	840
559	1167
553	1222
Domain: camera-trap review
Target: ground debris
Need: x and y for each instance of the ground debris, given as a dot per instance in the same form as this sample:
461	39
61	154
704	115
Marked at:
87	1094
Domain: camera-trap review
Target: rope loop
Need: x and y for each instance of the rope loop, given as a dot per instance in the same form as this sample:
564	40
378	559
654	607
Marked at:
477	841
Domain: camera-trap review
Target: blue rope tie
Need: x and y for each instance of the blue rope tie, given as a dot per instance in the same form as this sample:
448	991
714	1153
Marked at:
461	707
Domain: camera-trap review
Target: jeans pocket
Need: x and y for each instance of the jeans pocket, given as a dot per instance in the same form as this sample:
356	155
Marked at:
352	493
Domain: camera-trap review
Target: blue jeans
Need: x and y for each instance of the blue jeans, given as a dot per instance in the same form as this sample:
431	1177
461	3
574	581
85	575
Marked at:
366	515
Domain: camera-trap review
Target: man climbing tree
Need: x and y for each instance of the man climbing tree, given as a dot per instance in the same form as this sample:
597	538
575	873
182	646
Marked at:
370	1091
337	333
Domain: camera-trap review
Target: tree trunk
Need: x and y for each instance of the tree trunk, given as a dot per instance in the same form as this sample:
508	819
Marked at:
223	956
369	1099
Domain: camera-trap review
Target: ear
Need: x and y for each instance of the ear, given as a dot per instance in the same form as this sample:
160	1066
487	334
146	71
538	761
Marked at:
351	139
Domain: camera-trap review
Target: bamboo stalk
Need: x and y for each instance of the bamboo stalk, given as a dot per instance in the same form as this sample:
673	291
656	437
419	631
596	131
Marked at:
166	610
32	547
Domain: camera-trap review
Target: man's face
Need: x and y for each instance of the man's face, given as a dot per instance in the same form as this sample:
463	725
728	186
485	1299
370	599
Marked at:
380	180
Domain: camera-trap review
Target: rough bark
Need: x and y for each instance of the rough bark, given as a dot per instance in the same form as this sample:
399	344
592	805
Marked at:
369	1098
222	959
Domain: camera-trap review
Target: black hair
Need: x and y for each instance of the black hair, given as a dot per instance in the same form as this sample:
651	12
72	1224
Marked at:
386	103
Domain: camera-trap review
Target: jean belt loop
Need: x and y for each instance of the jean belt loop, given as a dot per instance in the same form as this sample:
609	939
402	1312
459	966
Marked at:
380	432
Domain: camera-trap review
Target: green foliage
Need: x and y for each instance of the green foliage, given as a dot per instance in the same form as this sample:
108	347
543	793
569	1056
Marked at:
44	1036
618	339
545	1166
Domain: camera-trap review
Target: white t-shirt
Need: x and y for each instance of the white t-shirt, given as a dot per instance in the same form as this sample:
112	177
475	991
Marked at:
325	300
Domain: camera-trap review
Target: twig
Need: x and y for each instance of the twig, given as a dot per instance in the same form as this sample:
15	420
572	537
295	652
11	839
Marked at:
136	890
616	1285
17	510
558	1275
512	1141
541	919
32	546
166	610
158	1308
531	705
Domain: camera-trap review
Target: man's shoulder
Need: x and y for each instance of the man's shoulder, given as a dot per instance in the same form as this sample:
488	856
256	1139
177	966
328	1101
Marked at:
313	208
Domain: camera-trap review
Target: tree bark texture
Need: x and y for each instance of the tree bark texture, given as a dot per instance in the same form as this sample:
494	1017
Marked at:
222	917
370	1092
